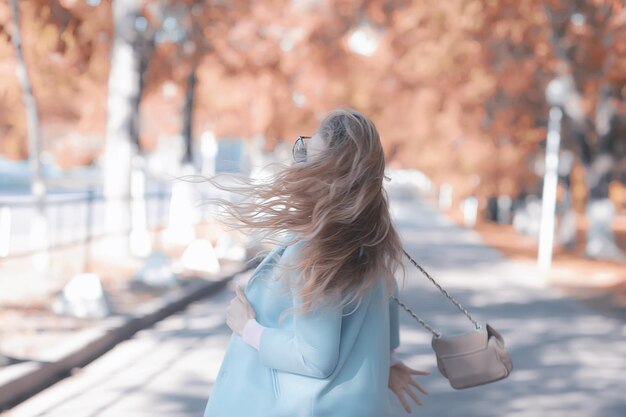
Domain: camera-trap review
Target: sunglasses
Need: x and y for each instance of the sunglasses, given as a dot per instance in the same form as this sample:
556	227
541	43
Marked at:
299	149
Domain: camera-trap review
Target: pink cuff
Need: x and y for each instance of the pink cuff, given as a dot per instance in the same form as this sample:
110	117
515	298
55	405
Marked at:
393	359
252	332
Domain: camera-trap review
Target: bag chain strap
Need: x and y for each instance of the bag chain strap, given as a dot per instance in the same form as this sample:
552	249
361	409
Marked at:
455	302
422	322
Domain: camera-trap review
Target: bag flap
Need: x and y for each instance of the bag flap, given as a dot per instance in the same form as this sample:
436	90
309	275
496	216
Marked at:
458	344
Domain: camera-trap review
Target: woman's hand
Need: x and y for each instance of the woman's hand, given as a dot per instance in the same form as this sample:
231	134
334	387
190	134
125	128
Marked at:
399	381
239	311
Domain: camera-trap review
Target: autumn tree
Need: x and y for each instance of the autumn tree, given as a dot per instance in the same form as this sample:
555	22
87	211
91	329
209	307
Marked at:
130	53
38	188
580	46
456	88
65	45
587	40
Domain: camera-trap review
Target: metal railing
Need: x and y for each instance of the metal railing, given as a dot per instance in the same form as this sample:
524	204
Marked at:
75	220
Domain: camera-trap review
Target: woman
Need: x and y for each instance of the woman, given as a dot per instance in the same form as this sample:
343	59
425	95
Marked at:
315	328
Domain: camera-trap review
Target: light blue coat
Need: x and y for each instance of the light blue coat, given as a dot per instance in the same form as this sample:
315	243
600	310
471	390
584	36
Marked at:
315	365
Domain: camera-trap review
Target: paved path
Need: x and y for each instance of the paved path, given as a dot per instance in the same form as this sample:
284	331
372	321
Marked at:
569	359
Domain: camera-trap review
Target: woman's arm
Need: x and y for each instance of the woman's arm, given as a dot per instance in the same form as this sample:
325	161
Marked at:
310	348
394	325
252	333
393	359
253	330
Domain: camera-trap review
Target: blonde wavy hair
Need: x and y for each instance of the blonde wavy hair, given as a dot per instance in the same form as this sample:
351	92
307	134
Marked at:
336	204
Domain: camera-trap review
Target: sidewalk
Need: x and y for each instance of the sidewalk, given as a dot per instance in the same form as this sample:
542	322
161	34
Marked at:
39	347
568	358
166	370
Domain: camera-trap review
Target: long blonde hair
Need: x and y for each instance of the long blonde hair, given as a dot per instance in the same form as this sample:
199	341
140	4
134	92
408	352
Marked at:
336	204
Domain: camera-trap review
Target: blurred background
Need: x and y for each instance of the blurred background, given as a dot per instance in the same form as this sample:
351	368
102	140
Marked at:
508	117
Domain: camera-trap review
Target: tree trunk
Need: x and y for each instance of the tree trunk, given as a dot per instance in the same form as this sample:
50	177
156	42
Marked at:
566	231
39	225
187	132
599	165
39	235
599	168
144	46
183	216
124	94
600	209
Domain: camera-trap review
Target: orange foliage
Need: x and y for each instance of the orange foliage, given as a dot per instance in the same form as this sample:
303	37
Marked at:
456	87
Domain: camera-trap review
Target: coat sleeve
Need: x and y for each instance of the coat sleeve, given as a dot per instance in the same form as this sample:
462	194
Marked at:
310	347
394	325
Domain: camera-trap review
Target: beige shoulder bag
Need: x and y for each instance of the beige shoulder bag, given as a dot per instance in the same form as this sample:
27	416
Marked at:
468	359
